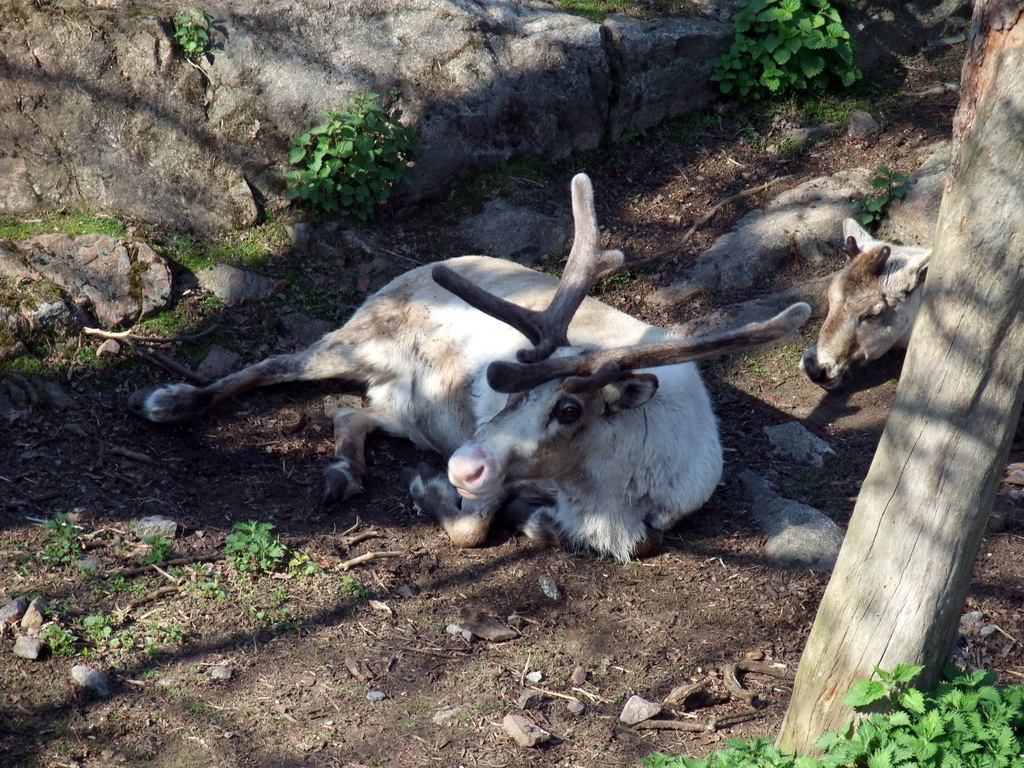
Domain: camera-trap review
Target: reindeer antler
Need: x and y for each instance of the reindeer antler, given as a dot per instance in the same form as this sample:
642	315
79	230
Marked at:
547	330
593	369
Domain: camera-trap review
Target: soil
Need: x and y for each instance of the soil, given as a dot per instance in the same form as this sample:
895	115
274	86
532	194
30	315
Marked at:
308	652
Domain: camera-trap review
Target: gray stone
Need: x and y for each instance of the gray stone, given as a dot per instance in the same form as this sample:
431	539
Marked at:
912	220
94	680
218	362
524	731
805	220
57	397
484	626
638	709
233	285
534	677
27	647
793	441
375	696
458	631
220	672
152	526
13	611
513	232
530	699
797	534
109	348
575	707
448	715
550	587
862	125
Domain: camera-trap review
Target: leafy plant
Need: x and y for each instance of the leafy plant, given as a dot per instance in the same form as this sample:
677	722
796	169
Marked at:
353	588
98	628
966	722
160	550
60	540
888	186
252	548
193	32
352	160
59	640
786	44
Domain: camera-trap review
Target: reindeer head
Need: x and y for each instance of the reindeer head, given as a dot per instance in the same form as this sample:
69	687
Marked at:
872	305
559	393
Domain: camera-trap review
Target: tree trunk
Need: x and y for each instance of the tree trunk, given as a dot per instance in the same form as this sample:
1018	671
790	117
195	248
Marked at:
905	568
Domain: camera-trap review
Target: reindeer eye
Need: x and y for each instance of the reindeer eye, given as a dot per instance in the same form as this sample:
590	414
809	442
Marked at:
875	311
567	411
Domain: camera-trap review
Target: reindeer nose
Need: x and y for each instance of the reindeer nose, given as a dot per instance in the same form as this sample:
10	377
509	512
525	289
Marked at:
470	469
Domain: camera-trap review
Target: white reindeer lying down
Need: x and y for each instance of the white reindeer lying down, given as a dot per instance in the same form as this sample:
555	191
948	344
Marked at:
872	305
541	397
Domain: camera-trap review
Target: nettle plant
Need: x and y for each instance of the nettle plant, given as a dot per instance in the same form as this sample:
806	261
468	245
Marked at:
193	32
887	187
351	161
966	722
785	45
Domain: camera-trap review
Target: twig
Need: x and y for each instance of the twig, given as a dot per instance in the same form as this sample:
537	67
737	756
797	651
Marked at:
130	454
129	336
367	557
154	595
135	571
556	694
444	653
165	362
733	685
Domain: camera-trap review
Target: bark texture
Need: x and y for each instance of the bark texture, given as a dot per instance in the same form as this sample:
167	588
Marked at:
904	570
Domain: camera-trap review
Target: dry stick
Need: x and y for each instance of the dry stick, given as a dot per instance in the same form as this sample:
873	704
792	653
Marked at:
154	595
556	694
165	362
135	571
444	653
365	558
129	336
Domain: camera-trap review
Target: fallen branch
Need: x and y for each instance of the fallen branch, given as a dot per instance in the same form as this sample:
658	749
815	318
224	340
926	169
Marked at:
206	557
156	594
367	557
129	336
171	365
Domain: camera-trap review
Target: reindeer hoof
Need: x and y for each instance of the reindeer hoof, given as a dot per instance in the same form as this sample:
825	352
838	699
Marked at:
649	545
340	483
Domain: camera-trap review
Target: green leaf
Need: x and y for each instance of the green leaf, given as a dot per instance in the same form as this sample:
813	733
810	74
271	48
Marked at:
864	692
913	700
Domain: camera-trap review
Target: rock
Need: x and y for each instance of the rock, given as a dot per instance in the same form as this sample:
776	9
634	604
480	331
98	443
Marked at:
27	647
793	441
484	626
805	220
578	676
94	680
912	220
109	348
638	709
219	362
233	285
513	232
456	630
152	526
220	672
448	715
375	696
862	125
120	281
550	587
57	397
524	731
13	611
575	707
535	677
304	328
530	699
32	620
797	533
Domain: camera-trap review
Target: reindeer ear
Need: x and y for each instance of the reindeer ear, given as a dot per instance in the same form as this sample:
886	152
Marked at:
630	390
914	271
853	229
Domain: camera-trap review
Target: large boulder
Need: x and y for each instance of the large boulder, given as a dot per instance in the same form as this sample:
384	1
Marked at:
101	110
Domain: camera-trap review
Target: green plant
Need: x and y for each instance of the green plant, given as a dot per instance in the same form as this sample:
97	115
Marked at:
352	160
98	629
193	32
60	540
160	550
252	548
353	588
785	45
59	640
888	185
966	722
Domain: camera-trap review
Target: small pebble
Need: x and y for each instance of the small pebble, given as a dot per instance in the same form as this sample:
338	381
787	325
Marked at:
219	672
87	677
376	696
575	707
27	647
550	588
535	677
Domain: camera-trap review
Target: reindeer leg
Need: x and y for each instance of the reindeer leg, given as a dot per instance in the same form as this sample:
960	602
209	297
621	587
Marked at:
344	477
466	522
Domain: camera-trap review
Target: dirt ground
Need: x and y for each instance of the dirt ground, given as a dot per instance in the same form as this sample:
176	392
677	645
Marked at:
355	667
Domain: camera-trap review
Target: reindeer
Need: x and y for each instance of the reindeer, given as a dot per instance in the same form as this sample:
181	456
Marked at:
540	397
872	305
